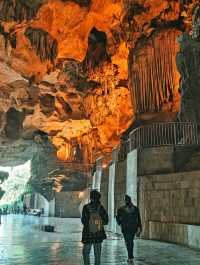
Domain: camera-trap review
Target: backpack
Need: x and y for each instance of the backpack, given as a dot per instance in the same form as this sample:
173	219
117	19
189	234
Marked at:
131	216
95	221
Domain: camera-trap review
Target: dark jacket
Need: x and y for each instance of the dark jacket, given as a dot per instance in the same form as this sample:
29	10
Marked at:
129	218
88	237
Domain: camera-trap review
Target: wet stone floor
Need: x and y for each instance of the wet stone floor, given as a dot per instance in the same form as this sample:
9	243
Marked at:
22	242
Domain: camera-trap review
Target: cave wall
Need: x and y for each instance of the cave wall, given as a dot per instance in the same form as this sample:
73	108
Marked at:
153	74
83	71
67	204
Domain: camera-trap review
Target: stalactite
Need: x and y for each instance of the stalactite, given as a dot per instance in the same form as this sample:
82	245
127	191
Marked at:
19	10
43	43
9	37
80	2
67	108
153	72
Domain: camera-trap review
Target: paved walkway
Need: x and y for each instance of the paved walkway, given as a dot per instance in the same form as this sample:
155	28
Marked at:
22	242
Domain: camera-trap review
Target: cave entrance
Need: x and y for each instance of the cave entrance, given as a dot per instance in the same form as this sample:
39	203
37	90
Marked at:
14	185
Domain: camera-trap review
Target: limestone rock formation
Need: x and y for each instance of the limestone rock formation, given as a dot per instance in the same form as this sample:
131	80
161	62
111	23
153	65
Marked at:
81	72
188	60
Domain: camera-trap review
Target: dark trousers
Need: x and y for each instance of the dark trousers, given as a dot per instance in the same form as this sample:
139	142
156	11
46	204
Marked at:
97	253
129	241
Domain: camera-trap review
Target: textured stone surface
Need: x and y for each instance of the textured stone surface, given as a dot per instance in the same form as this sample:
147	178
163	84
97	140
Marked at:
170	198
67	204
71	68
64	248
178	233
187	63
120	184
73	59
104	187
68	96
156	160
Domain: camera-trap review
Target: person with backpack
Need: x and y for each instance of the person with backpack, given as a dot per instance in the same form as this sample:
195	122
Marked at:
128	217
94	217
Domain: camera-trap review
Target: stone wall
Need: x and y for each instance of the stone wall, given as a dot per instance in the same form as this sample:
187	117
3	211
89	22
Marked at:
131	176
170	199
111	198
167	159
177	233
168	232
67	204
156	160
120	184
104	187
41	203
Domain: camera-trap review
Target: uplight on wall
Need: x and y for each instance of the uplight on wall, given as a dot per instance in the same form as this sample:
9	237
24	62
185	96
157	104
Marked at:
81	195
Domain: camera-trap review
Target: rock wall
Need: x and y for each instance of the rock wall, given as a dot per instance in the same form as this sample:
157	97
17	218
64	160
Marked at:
67	204
76	71
104	187
120	184
153	74
170	199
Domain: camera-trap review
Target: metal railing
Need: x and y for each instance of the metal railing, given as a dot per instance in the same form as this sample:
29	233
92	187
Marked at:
120	152
163	134
124	149
158	134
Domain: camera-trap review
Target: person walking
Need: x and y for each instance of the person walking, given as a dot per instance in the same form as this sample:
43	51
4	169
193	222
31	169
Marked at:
94	217
24	209
128	217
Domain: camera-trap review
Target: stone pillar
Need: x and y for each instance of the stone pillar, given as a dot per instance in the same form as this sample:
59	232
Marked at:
41	202
111	199
131	176
52	208
35	200
97	176
94	180
97	180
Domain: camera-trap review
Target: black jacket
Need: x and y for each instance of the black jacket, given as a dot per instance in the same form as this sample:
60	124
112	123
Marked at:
129	218
87	237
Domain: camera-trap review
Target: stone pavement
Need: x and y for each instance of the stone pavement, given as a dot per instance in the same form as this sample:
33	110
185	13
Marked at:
22	242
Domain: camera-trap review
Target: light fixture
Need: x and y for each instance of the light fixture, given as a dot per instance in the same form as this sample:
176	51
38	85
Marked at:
104	166
81	194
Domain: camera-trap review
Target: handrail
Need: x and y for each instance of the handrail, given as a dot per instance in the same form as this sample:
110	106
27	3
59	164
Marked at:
158	134
165	134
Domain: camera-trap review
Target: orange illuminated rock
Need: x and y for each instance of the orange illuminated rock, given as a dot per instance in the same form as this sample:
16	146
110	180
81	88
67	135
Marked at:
83	95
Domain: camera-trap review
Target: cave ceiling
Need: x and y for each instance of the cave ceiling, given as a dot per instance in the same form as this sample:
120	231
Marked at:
65	69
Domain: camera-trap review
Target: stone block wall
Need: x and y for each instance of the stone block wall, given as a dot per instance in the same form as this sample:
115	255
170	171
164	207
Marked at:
120	184
168	159
177	233
156	160
41	203
131	176
168	196
104	187
170	199
67	204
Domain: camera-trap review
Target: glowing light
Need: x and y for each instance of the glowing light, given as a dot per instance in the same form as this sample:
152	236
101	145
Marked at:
15	185
104	166
81	195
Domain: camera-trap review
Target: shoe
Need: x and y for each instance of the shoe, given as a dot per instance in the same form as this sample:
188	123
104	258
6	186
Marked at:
130	260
